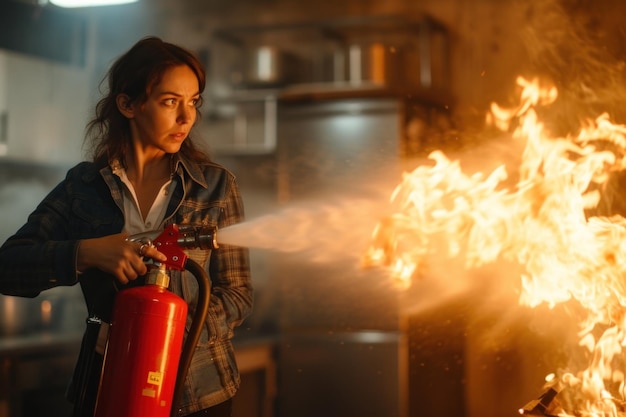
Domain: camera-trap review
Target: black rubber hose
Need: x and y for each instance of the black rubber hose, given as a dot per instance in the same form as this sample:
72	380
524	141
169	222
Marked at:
202	309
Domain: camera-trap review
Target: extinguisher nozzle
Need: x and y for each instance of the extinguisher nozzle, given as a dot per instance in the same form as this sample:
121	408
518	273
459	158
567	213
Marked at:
204	237
208	240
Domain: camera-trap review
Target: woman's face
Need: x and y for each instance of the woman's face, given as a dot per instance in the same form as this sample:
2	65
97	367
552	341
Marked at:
162	122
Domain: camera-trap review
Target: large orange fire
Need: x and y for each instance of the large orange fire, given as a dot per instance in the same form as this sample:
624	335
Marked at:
546	222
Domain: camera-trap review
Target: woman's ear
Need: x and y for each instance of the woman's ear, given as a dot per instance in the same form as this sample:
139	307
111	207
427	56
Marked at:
124	106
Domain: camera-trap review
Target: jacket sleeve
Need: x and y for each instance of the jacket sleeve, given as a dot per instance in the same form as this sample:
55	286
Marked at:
229	269
40	255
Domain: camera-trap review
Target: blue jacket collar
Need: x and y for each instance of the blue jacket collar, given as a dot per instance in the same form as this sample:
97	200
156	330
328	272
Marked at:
181	165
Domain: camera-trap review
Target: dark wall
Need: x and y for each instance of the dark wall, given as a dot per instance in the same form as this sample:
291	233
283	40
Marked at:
49	33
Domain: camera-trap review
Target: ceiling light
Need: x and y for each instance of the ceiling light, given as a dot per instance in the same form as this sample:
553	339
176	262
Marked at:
89	3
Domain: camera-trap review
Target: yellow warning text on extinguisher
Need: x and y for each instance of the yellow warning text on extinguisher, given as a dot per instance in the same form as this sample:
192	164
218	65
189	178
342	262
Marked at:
155	378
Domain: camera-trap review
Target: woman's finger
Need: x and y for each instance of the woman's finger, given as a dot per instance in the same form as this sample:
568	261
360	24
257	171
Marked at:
150	251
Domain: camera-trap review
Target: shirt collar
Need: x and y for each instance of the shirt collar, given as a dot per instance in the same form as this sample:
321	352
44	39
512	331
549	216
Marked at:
181	165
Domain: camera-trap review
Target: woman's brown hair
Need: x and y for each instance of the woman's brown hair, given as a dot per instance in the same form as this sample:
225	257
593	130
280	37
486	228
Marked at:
134	74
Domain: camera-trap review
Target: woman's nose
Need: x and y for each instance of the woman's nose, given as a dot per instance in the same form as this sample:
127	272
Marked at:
186	114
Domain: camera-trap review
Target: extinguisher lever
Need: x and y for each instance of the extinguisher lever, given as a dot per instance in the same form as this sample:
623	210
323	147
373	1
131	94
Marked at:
173	239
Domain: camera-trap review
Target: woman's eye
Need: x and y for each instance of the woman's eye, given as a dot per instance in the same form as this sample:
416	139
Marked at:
169	101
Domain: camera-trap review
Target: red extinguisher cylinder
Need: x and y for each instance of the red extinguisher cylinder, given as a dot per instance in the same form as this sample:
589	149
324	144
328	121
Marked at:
142	354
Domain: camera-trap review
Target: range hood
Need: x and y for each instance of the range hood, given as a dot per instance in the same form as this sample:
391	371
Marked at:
263	71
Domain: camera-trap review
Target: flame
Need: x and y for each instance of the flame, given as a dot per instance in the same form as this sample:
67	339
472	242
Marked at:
543	223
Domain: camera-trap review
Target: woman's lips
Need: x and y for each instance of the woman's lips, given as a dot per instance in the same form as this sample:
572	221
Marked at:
179	136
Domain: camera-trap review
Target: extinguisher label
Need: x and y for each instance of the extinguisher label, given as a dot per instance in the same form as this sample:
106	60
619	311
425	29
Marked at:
155	378
148	392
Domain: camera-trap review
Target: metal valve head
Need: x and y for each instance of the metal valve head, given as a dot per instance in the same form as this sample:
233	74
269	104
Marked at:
173	239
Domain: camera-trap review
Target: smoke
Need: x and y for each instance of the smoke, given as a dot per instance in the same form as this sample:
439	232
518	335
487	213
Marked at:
577	46
333	229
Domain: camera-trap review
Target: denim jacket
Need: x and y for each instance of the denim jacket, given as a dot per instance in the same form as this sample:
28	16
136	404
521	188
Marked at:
88	204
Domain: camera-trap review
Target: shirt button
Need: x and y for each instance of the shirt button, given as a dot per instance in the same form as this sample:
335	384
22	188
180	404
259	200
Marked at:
148	224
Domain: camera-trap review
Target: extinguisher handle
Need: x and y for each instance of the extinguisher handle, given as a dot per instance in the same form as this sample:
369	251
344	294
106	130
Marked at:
172	241
197	325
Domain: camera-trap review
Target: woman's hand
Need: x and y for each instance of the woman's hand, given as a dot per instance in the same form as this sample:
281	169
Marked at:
117	256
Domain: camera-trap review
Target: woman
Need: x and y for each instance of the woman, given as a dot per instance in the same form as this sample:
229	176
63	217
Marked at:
145	174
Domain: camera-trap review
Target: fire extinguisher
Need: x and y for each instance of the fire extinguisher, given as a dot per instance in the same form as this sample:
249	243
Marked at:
145	363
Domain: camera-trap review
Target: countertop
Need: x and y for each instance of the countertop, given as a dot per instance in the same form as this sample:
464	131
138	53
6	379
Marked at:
40	342
45	341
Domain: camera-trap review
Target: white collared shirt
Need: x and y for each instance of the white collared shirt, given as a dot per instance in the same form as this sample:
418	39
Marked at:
133	220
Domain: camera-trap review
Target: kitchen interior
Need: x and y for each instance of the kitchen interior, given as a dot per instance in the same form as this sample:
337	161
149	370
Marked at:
317	109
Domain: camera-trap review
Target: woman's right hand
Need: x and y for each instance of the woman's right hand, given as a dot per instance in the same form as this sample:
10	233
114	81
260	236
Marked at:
117	256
